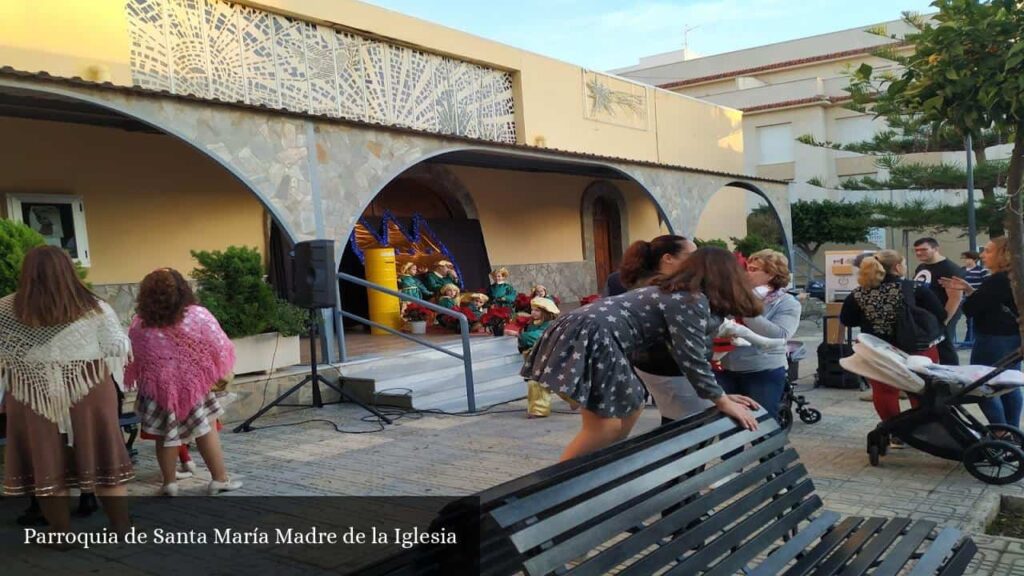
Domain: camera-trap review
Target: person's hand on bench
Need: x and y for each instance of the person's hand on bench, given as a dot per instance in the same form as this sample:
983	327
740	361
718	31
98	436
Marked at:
738	407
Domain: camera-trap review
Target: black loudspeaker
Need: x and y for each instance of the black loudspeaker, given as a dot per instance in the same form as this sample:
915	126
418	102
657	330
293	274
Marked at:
314	280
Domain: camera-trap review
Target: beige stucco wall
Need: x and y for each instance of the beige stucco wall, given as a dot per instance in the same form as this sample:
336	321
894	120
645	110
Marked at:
149	199
534	218
724	217
90	39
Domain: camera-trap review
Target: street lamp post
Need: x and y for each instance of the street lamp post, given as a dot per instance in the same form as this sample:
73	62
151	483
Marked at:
972	227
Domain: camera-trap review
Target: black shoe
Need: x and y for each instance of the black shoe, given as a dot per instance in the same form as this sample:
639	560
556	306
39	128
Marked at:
86	505
32	516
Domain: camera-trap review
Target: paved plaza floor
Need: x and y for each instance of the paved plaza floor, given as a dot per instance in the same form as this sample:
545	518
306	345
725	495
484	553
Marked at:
456	455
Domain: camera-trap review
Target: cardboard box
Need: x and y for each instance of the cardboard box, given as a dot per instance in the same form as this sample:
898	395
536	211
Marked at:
835	332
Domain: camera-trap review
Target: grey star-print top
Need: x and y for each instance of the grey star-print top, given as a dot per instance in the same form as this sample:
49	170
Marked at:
646	316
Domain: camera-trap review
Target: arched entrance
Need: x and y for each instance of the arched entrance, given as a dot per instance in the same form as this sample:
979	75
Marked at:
136	208
742	217
607	238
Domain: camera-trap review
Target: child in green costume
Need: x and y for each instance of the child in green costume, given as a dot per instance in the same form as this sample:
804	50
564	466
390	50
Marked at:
543	312
501	292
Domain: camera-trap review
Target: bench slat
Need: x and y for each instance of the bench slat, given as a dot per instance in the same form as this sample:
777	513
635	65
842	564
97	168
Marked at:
562	471
957	565
622	551
703	559
827	544
742	556
553	496
788	551
697	534
874	549
937	552
834	563
901	553
591	508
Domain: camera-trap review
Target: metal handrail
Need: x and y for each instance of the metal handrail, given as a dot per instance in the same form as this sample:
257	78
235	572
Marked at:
466	356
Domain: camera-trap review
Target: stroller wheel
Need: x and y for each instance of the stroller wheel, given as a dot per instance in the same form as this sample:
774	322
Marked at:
876	446
785	418
1006	433
995	462
810	416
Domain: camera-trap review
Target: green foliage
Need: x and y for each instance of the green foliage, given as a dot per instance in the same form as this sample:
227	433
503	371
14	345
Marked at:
943	176
754	242
762	221
231	286
822	221
15	240
716	242
816	181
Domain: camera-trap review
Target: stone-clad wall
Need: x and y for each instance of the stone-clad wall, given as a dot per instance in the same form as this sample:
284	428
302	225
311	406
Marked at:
570	281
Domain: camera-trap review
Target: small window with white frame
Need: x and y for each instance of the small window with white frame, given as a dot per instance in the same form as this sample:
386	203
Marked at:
59	219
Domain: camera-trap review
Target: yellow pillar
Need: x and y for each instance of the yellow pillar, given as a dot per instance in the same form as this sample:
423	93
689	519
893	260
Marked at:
381	270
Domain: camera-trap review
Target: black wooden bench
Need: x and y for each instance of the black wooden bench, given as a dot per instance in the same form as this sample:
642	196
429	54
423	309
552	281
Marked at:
667	502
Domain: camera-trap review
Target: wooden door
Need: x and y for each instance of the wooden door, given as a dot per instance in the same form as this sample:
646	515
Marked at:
607	239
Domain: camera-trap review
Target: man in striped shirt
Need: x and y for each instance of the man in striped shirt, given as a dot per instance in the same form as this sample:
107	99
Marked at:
974	273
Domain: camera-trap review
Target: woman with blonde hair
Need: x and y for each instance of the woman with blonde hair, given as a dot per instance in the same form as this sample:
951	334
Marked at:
751	370
60	348
996	332
876	305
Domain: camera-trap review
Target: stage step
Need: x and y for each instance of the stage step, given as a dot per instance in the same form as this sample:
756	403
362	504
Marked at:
430	380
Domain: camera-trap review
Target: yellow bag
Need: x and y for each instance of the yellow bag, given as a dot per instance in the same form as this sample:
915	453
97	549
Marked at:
538	399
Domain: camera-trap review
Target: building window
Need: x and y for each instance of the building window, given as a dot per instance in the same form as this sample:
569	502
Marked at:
59	219
852	130
775	143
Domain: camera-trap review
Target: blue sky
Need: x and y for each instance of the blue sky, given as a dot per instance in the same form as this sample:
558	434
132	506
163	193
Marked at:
604	34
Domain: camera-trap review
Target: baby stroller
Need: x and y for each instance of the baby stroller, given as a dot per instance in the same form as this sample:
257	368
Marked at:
795	352
941	424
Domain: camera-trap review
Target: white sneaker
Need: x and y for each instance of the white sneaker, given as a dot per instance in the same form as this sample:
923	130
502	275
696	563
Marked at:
189	466
182	474
867	396
217	487
169	489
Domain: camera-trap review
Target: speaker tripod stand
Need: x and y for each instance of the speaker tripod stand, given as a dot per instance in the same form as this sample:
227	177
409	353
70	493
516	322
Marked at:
313	378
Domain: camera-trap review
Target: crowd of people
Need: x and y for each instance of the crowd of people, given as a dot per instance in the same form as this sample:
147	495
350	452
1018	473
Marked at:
652	332
64	354
939	293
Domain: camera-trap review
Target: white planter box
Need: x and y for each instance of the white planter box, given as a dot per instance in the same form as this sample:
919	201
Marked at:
265	352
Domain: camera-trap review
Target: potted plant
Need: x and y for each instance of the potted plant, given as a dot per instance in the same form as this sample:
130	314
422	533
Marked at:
495	320
264	328
416	316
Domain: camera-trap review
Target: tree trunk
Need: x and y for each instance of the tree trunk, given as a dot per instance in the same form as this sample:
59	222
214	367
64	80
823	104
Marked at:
1015	223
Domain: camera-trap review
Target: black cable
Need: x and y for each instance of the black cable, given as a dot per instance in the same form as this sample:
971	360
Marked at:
397	414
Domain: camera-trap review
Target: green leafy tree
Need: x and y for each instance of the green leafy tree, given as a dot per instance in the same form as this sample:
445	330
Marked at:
753	242
818	222
716	242
231	287
763	222
966	74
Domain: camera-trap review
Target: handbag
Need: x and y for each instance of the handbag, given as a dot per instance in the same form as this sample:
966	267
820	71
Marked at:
916	328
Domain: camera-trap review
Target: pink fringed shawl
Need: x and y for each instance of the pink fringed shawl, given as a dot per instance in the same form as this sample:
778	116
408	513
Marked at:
176	366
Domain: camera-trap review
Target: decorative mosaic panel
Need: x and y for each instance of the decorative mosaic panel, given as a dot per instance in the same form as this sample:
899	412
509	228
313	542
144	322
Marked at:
215	49
614	100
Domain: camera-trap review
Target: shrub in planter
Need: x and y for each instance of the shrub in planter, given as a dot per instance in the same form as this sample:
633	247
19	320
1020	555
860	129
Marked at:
15	240
231	287
416	313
